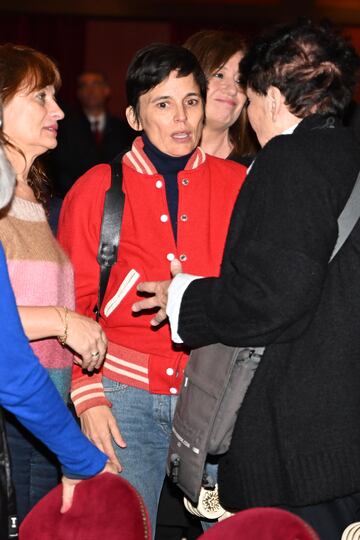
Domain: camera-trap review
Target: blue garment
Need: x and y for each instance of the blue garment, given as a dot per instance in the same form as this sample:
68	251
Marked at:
54	213
27	392
145	422
34	469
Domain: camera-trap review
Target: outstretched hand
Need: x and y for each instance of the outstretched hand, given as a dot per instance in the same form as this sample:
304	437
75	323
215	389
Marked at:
159	290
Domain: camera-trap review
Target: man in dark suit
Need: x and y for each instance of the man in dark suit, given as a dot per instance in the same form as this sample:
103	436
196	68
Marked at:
87	137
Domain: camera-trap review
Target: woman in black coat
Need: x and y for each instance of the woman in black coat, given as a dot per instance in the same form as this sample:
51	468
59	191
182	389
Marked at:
296	442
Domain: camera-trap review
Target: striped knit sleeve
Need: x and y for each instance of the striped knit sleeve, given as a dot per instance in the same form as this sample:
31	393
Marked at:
87	390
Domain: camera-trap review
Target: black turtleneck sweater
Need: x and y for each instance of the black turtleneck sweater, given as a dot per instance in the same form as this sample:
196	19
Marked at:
168	167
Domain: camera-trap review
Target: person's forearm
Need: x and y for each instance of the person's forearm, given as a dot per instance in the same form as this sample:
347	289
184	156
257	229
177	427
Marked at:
28	393
41	410
81	334
42	321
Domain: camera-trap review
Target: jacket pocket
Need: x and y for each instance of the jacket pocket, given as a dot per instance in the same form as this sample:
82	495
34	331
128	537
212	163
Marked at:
126	285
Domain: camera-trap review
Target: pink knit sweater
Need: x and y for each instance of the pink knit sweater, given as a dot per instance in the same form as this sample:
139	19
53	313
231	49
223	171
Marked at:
41	275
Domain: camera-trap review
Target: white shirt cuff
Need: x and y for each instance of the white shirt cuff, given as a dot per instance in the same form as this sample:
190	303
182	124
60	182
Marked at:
176	292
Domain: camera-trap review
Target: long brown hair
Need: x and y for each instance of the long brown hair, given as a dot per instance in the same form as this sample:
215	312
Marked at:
213	48
24	68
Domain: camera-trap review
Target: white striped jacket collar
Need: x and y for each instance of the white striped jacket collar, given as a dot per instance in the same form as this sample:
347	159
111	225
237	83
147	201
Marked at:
138	160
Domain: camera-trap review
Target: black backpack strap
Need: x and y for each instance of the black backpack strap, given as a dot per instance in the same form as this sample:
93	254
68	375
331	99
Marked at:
110	229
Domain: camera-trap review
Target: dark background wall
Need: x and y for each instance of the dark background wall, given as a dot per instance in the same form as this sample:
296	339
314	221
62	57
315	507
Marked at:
104	34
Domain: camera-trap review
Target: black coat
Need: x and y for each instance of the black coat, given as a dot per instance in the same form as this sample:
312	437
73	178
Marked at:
297	437
77	150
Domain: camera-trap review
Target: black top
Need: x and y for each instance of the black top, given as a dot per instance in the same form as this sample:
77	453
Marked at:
243	160
297	437
168	167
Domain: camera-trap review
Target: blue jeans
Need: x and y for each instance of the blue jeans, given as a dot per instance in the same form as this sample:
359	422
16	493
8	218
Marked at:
145	422
35	470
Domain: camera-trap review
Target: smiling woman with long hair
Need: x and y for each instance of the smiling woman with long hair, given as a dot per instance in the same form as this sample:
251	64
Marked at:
227	132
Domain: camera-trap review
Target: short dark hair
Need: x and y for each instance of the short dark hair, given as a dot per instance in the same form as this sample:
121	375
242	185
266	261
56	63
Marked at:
153	64
313	66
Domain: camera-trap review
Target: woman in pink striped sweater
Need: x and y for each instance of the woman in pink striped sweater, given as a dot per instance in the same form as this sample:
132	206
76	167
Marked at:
40	273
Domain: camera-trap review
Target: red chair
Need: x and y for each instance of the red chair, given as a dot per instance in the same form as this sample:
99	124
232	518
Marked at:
261	524
104	507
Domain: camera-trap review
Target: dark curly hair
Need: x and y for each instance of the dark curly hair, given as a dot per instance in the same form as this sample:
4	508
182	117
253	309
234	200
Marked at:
20	67
313	66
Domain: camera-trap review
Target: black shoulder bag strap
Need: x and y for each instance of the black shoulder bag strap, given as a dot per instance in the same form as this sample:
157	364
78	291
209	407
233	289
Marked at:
110	229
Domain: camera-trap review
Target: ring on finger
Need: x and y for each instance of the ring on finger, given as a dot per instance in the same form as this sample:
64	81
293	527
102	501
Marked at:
95	354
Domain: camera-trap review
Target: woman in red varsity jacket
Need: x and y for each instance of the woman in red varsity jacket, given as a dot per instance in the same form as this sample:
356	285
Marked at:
178	203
